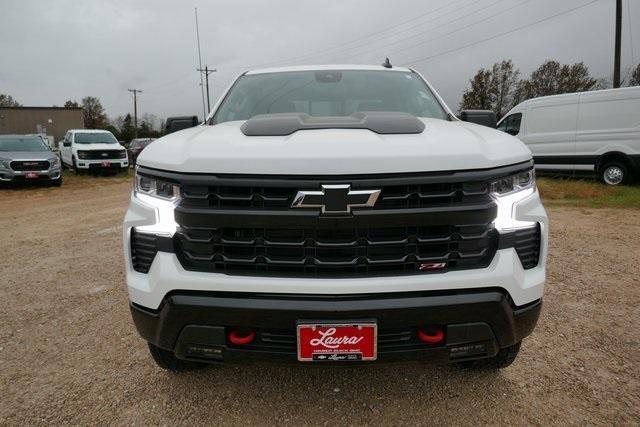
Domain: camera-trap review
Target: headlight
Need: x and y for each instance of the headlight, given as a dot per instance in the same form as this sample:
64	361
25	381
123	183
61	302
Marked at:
83	155
54	163
507	192
123	154
4	164
161	195
156	188
512	183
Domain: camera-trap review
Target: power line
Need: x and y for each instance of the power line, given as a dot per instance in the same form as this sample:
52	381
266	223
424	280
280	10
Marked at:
500	34
450	32
398	31
342	46
444	24
169	82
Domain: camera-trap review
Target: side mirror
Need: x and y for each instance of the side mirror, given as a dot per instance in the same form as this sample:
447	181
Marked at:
479	117
66	143
513	132
174	124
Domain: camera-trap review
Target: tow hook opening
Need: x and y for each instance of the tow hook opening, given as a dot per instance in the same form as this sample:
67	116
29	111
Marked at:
431	335
241	336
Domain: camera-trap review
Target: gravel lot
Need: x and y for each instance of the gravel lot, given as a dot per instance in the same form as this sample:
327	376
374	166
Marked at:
69	352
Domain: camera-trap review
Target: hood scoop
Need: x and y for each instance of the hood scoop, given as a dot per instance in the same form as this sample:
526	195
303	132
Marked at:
382	122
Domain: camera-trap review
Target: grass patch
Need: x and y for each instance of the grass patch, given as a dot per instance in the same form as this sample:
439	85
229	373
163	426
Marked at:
587	193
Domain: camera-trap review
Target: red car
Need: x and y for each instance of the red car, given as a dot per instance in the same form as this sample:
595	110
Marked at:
136	147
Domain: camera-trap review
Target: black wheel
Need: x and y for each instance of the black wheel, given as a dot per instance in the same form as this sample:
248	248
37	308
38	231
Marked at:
57	182
74	167
167	360
615	173
504	358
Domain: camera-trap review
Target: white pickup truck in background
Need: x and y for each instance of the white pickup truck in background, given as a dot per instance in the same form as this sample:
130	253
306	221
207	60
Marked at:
92	150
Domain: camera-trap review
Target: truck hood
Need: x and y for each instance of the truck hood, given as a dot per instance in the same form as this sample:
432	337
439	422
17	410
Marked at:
98	146
27	155
442	146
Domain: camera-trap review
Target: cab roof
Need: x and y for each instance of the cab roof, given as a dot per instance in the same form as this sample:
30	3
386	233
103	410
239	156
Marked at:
326	67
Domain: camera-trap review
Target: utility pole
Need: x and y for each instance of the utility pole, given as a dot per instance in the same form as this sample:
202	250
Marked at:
200	65
206	72
616	59
135	110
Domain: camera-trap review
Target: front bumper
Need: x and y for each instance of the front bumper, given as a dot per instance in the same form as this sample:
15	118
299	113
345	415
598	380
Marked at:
9	175
195	324
103	164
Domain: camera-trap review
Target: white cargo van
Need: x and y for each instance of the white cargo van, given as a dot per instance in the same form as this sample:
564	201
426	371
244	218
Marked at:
595	131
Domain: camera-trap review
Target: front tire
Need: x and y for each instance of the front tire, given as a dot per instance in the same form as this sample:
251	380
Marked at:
74	166
166	359
615	173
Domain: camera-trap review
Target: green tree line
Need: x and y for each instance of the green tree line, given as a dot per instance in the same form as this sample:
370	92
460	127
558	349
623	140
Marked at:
500	87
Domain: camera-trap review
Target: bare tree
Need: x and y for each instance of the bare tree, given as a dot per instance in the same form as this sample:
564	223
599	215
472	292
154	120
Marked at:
552	78
151	120
635	77
8	101
493	89
71	104
504	82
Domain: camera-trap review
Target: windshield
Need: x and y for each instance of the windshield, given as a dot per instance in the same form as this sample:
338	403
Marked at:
95	138
23	143
329	93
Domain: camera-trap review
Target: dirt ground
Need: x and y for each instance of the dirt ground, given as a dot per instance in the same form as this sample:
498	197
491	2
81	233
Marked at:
69	352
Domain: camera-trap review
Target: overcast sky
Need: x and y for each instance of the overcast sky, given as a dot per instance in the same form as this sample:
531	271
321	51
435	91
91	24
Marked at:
55	50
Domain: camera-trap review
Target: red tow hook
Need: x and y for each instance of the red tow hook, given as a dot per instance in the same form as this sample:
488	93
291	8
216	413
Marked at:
241	337
433	336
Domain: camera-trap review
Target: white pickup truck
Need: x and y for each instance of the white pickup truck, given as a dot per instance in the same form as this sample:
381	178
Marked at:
335	214
93	150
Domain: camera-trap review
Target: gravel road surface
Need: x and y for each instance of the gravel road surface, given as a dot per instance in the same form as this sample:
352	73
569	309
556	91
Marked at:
69	352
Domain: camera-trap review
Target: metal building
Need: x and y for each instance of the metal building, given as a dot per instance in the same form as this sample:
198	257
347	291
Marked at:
51	121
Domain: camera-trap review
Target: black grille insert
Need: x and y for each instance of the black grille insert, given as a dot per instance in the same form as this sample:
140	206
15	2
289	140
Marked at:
143	250
281	197
527	244
30	165
101	154
335	251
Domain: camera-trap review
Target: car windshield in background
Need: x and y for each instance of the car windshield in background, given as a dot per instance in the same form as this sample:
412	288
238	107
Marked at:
95	138
329	93
20	143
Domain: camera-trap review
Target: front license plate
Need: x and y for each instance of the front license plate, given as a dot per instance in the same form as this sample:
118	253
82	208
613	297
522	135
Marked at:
105	164
31	175
337	342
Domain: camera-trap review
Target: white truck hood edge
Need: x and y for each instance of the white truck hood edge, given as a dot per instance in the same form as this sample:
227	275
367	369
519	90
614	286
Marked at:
443	146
